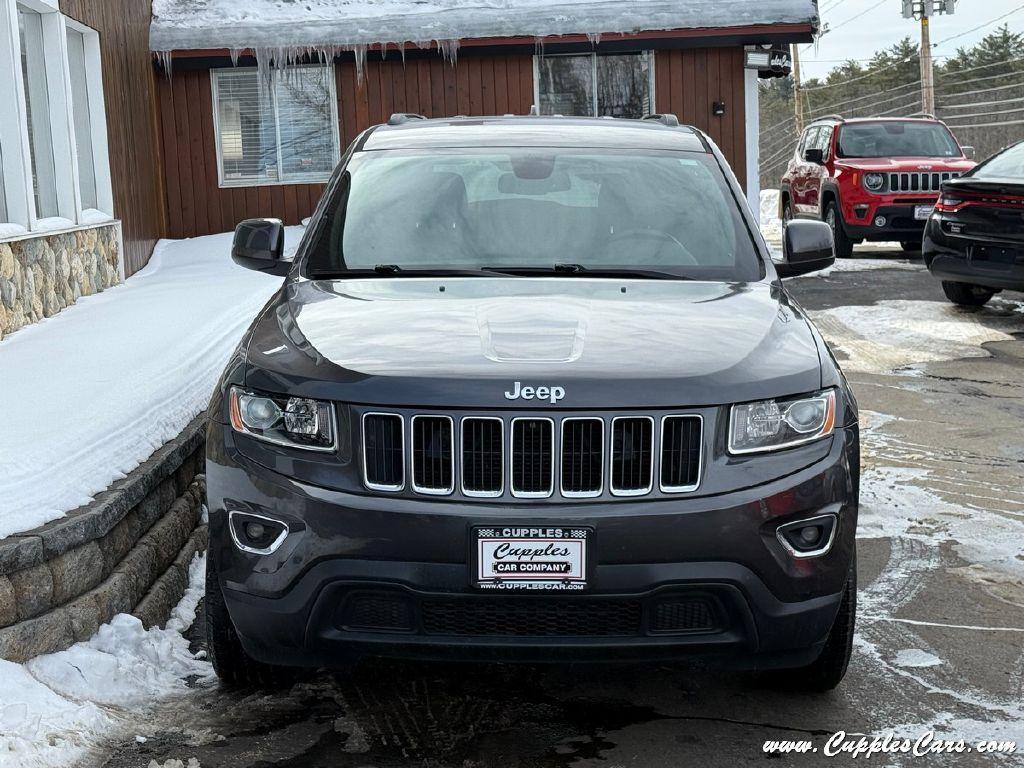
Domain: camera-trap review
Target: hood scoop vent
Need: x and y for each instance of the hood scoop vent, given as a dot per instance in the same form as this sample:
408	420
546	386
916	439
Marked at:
534	334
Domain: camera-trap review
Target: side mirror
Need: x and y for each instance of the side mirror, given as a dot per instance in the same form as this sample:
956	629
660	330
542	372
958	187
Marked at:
969	152
807	246
259	245
815	156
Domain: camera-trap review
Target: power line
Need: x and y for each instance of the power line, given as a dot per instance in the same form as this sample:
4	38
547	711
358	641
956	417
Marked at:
989	114
988	90
970	105
999	124
1018	9
951	72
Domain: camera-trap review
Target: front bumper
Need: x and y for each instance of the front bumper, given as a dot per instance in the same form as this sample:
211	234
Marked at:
956	259
900	224
364	575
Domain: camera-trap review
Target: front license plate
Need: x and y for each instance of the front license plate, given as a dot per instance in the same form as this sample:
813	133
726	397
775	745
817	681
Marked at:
923	212
521	558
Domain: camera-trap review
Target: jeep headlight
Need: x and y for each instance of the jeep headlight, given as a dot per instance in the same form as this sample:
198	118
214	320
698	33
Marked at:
771	425
874	181
295	422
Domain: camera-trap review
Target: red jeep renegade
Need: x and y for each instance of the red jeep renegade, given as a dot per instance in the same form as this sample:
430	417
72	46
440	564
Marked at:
871	179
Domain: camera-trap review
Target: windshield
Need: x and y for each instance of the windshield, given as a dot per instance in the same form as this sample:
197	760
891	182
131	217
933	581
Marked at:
1008	165
665	214
897	139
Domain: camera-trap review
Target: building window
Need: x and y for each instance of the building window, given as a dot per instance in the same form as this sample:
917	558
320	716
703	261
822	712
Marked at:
37	112
281	131
54	169
592	85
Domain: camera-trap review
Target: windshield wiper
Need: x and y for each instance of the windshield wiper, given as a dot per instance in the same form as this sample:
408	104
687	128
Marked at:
578	270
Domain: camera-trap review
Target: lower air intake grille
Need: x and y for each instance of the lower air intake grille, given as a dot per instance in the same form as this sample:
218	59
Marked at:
532	617
382	451
582	456
482	467
632	455
680	453
532	457
680	615
433	463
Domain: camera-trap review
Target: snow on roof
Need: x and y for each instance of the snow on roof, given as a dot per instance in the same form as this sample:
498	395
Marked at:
325	25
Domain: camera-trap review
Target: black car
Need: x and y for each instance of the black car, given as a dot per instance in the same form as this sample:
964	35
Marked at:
974	242
532	389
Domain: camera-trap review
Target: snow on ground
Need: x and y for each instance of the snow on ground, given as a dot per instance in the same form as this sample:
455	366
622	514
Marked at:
324	24
102	385
771	224
56	708
895	334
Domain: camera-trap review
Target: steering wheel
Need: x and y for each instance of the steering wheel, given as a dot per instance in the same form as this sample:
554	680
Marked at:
655	234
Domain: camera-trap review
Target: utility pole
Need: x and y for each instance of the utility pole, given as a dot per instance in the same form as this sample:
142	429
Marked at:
798	94
924	10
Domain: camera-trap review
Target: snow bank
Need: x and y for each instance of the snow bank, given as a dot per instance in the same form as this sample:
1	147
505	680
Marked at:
771	224
280	25
55	708
103	384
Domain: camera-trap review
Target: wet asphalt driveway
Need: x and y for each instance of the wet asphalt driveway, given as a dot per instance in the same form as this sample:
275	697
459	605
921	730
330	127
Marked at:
941	628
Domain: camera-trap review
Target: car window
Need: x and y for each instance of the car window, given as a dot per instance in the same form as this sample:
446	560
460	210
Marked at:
897	139
810	138
1007	165
823	140
536	207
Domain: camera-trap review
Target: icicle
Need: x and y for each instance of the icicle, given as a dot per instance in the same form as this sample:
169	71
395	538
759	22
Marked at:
360	53
449	50
401	50
164	57
538	46
383	51
594	38
235	54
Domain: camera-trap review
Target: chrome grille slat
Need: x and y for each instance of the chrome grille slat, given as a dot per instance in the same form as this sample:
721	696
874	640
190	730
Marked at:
433	457
632	464
483	465
582	456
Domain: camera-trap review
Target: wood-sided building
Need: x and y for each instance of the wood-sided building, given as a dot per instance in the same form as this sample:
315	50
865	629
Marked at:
257	101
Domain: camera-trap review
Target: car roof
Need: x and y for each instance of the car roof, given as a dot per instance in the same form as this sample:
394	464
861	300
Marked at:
858	120
533	131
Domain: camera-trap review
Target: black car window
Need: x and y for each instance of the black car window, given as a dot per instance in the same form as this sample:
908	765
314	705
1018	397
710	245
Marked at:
896	138
603	209
1006	165
810	139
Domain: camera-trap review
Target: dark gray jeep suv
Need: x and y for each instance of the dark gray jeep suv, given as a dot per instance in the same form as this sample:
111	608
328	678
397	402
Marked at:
532	390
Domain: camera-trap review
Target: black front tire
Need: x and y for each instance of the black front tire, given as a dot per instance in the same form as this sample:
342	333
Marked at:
967	295
834	218
234	667
828	670
787	211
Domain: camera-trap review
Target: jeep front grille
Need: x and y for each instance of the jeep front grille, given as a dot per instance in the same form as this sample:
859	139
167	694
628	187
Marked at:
483	468
533	453
919	182
533	457
383	451
433	460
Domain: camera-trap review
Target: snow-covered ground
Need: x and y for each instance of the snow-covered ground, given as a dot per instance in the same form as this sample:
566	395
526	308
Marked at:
56	708
97	388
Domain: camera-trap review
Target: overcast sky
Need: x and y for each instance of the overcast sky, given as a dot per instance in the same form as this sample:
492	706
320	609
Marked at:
861	27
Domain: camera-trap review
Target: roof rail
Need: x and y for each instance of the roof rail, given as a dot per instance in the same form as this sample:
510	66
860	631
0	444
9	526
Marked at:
837	118
665	119
925	115
400	118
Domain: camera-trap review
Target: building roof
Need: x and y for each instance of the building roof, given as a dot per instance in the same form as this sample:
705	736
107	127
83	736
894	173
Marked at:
289	26
546	131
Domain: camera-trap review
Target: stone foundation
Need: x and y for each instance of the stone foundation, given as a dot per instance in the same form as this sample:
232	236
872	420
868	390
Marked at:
42	274
127	552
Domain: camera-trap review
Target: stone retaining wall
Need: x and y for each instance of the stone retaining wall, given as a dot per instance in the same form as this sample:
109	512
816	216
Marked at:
127	552
42	274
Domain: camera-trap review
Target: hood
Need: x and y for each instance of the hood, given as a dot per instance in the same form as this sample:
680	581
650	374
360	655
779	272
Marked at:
465	342
906	164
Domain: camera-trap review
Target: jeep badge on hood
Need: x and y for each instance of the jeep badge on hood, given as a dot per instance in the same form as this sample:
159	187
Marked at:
551	394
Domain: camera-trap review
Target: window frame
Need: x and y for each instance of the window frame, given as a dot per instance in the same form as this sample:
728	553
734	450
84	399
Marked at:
17	178
647	53
255	182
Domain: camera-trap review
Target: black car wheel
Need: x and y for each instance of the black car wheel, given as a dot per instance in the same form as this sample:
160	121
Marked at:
787	210
829	669
967	295
911	246
844	245
234	667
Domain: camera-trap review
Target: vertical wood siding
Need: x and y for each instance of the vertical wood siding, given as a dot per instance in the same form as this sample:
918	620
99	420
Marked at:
687	82
129	93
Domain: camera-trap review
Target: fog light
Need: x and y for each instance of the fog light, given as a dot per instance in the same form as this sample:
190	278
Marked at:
881	221
256	534
860	211
808	538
